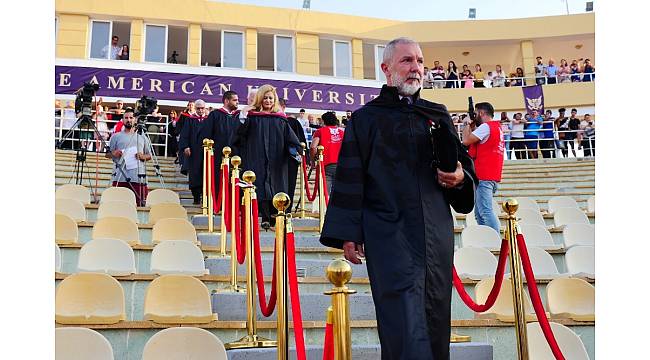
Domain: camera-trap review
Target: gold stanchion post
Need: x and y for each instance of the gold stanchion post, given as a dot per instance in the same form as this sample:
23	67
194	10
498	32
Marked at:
322	207
510	206
204	194
251	340
208	193
339	273
235	161
222	188
281	202
302	183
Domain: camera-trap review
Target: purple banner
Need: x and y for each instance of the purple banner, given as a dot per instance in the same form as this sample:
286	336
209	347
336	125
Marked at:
533	98
184	87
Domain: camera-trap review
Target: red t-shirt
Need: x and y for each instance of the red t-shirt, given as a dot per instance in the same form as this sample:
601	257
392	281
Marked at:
331	138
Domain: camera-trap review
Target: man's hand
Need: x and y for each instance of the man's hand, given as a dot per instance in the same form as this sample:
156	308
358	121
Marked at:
117	153
187	152
450	180
140	156
353	252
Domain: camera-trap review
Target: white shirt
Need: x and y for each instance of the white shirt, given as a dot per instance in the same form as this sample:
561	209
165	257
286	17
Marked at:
482	132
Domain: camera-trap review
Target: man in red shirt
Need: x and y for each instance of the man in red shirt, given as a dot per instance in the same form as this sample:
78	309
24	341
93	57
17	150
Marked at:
330	137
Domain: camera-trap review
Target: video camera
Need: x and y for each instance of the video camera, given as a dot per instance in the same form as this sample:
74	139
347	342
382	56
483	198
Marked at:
472	114
84	99
145	106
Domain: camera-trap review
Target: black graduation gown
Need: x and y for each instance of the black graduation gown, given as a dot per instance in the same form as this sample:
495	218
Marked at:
192	135
178	130
220	127
266	144
294	166
386	197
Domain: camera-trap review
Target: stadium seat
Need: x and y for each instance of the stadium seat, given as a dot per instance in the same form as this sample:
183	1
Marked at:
539	236
480	236
579	234
474	263
65	230
89	298
71	207
580	261
118	194
162	196
111	256
177	257
79	343
177	299
174	229
182	343
503	308
165	210
571	297
116	228
564	216
57	258
118	209
542	262
73	191
530	216
570	343
558	202
591	204
527	203
470	219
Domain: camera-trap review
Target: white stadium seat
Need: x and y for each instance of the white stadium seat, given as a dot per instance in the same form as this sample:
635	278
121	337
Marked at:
530	216
539	236
73	191
177	257
182	343
162	196
118	194
89	298
174	229
111	256
116	228
527	203
470	219
579	234
570	343
57	258
118	208
558	202
502	308
480	236
78	343
178	299
580	261
571	298
71	207
474	263
542	262
564	216
166	211
65	230
591	204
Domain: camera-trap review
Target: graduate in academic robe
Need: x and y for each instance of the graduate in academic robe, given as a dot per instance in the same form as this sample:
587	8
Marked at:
392	206
191	145
178	129
294	166
220	127
266	145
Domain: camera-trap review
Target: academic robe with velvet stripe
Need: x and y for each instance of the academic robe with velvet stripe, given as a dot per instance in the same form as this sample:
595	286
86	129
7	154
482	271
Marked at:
192	135
220	127
386	197
266	145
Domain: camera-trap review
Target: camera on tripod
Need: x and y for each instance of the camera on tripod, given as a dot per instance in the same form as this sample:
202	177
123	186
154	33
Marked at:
143	107
84	99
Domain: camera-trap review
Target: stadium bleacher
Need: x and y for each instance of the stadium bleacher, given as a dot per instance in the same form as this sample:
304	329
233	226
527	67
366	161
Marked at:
174	258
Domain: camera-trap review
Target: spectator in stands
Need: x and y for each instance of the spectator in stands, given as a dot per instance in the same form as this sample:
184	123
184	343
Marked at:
540	72
172	144
547	135
506	126
125	146
499	77
124	53
427	79
112	50
154	128
488	79
102	126
588	137
575	71
486	148
313	122
330	137
452	75
348	114
551	72
573	125
478	76
438	74
191	144
517	136
563	72
588	70
561	125
531	133
468	79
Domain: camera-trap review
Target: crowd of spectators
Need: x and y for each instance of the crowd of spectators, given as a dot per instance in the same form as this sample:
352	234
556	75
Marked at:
437	77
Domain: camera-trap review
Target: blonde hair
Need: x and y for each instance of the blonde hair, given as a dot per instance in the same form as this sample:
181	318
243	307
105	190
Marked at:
261	91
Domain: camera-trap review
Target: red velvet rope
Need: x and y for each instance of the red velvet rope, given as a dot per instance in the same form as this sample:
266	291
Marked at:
496	287
537	301
225	188
295	297
267	309
310	197
216	205
325	192
328	344
239	235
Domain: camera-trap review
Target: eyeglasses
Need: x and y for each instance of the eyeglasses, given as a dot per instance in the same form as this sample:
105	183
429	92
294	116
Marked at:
200	107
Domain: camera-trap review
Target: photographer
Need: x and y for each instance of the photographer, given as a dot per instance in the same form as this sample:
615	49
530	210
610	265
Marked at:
129	151
486	144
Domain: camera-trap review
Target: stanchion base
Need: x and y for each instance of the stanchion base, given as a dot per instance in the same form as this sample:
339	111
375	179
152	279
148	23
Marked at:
232	289
251	341
455	338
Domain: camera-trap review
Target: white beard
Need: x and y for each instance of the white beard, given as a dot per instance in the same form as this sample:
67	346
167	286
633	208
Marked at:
403	88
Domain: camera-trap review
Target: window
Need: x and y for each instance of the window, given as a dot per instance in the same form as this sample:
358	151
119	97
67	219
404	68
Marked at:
106	35
233	49
369	61
166	44
335	58
275	52
210	47
379	57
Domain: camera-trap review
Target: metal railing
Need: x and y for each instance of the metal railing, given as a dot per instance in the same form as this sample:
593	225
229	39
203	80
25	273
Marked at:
510	81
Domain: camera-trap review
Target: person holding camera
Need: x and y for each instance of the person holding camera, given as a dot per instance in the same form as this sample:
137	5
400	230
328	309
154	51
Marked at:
486	147
129	151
